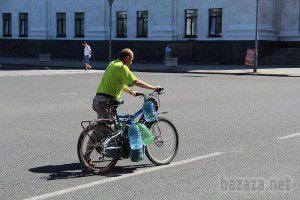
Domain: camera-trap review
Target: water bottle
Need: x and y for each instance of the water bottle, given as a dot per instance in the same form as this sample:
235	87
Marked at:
136	144
135	138
149	111
137	155
147	136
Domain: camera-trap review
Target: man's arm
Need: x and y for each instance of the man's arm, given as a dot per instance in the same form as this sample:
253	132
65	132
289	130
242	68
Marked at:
129	91
142	84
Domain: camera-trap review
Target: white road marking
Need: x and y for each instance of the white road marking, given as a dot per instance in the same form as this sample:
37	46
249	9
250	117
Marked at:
68	94
112	179
46	72
288	136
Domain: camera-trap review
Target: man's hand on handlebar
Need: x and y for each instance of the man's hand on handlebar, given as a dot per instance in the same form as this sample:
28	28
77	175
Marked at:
136	93
158	89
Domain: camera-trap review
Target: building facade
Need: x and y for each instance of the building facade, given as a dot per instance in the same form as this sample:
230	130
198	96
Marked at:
200	31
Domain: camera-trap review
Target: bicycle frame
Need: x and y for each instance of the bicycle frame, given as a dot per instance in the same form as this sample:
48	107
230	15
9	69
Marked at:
121	121
128	118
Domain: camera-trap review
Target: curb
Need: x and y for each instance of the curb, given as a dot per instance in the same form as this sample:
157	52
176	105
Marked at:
32	66
220	73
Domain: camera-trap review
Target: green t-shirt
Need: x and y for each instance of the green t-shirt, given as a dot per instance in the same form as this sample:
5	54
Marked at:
116	76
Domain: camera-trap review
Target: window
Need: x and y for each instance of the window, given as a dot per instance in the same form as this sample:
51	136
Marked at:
23	24
122	24
61	24
215	22
142	24
191	23
79	24
6	24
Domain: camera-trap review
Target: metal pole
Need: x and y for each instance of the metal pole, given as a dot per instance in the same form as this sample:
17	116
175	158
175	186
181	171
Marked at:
110	27
256	37
48	18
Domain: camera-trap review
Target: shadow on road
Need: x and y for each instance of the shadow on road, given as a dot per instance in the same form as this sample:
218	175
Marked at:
65	171
74	170
128	169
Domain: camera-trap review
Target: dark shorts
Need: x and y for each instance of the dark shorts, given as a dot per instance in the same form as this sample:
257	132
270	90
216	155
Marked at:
86	60
100	106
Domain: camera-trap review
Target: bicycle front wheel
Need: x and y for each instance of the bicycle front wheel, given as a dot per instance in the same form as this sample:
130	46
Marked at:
165	146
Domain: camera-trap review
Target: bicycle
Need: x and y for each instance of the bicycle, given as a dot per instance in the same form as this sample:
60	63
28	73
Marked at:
110	142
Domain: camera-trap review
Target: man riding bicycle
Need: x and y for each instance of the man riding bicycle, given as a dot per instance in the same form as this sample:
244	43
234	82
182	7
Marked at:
117	78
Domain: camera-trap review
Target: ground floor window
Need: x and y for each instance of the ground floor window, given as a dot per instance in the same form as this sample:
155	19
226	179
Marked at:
122	24
6	24
215	22
191	23
61	24
23	24
142	24
79	24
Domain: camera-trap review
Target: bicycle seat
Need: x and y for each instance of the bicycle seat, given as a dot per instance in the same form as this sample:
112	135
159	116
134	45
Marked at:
114	102
106	121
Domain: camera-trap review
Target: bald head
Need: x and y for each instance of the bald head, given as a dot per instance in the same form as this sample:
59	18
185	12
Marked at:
126	56
125	53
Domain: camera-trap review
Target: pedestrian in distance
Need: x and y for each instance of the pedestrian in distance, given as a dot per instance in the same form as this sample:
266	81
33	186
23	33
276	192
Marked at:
168	52
87	55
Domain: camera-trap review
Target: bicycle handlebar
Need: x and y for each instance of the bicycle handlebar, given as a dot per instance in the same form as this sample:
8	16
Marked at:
159	91
138	94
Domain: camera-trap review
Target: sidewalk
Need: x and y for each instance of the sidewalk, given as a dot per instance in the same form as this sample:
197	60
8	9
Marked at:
12	63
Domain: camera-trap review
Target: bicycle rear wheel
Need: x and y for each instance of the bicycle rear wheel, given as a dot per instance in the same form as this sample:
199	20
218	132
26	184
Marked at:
91	151
165	146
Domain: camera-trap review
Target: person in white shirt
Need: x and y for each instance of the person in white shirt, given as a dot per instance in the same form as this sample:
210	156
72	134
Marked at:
87	56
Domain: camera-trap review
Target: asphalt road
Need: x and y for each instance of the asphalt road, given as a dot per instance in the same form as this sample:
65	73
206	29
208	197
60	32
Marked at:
239	139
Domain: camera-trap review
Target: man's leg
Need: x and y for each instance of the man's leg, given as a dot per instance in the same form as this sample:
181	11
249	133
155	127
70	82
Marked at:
89	65
99	105
86	66
86	62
